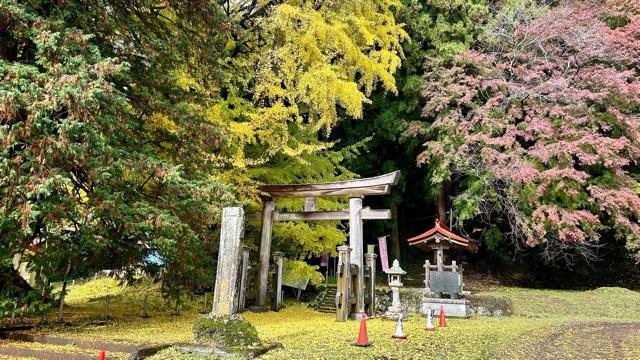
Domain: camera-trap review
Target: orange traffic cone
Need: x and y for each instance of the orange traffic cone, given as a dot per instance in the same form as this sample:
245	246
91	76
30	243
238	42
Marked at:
102	355
443	321
363	340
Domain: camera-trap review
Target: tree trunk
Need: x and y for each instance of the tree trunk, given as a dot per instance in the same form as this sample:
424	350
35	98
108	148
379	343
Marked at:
442	202
62	296
13	313
204	308
63	293
177	308
106	307
145	313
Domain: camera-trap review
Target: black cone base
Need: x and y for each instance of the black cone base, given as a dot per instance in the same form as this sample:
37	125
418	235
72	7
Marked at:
361	345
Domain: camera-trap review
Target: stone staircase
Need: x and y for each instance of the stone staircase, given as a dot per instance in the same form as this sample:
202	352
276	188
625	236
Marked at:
328	303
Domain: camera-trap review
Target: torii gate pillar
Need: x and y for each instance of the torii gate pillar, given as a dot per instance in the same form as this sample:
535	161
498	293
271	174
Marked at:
356	243
265	253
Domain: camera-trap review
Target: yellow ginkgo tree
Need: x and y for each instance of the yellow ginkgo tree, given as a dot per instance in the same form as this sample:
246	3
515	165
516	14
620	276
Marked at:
296	67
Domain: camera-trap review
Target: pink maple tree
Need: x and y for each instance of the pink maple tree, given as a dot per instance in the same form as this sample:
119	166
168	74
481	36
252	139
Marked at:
544	123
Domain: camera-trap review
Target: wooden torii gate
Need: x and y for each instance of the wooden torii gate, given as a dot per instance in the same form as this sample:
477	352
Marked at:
355	190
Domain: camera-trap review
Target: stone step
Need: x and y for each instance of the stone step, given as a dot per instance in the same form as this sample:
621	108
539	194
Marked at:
328	303
25	352
30	345
326	310
327	306
78	343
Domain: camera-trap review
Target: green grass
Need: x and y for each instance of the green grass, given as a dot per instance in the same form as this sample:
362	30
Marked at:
601	323
600	304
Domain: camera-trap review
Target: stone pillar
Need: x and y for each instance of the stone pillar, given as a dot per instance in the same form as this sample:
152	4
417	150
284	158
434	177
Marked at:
278	260
370	259
343	301
243	278
395	298
225	299
357	246
265	252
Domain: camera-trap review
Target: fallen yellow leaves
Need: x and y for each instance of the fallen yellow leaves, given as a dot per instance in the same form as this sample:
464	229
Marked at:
540	315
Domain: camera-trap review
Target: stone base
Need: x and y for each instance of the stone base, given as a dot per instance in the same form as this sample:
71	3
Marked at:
395	309
200	350
394	316
392	312
390	315
357	316
452	307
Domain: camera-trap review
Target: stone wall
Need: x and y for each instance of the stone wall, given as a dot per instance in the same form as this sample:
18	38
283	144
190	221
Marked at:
412	299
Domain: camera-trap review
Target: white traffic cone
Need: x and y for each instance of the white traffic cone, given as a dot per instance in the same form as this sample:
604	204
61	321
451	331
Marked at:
399	335
430	326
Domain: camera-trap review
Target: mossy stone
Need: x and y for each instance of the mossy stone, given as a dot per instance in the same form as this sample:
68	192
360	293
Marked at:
226	332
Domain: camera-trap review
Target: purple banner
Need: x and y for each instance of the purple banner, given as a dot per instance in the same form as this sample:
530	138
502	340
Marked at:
324	259
384	260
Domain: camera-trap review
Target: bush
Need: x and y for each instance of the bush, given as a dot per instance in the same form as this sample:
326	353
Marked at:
226	332
490	305
315	296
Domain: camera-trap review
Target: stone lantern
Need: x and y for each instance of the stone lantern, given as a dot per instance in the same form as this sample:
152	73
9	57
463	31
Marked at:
395	283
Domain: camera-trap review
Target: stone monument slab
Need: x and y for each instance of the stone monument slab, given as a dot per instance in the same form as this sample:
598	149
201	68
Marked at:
452	307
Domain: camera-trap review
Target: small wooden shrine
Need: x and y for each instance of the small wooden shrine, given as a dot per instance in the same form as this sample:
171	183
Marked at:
441	278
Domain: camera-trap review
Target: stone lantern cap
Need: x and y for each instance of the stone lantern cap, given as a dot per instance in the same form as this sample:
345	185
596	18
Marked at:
396	269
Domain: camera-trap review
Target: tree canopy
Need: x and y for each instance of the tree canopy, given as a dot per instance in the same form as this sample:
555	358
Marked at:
541	125
125	126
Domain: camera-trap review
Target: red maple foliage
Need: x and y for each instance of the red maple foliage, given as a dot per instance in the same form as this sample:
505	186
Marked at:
547	114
